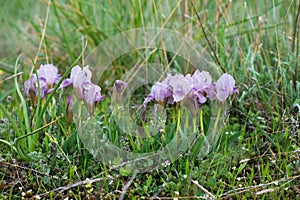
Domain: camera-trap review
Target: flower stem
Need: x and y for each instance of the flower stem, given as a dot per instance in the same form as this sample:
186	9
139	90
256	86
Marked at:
217	119
194	125
201	122
178	119
69	130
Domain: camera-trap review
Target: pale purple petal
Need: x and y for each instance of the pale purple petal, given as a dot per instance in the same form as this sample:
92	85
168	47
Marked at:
225	86
48	72
57	78
211	92
189	79
92	95
97	94
147	100
78	77
27	86
160	92
167	80
180	87
201	80
222	95
201	99
74	73
65	83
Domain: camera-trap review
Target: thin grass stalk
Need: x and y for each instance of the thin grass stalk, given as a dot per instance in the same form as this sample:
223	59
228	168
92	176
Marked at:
63	31
23	102
206	38
296	38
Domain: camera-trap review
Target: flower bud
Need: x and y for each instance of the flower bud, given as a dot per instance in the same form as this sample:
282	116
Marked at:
69	110
119	87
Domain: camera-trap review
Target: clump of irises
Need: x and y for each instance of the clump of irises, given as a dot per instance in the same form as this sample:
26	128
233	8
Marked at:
198	87
47	76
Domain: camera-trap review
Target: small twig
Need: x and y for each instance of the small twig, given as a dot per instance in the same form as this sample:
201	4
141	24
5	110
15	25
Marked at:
183	197
37	130
22	167
266	191
125	187
10	77
80	183
206	38
245	189
204	190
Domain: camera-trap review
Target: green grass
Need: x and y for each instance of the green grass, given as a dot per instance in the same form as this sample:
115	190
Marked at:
257	156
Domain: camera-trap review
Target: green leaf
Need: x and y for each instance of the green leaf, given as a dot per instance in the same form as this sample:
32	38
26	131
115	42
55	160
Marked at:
125	171
241	167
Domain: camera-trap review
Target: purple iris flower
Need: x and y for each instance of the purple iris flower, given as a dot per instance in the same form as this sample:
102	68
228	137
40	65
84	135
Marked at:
159	92
79	76
31	86
202	87
49	73
181	87
84	89
47	77
225	86
173	89
201	80
91	95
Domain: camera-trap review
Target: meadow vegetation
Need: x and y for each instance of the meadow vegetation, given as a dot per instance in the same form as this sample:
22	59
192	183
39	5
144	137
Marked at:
257	155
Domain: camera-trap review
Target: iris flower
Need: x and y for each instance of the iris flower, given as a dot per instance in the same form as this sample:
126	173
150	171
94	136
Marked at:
47	76
225	87
84	89
91	95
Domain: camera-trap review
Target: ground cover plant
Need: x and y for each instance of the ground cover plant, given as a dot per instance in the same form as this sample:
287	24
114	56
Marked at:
216	94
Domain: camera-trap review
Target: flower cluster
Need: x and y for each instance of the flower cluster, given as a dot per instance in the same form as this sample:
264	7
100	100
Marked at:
197	87
84	89
80	78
